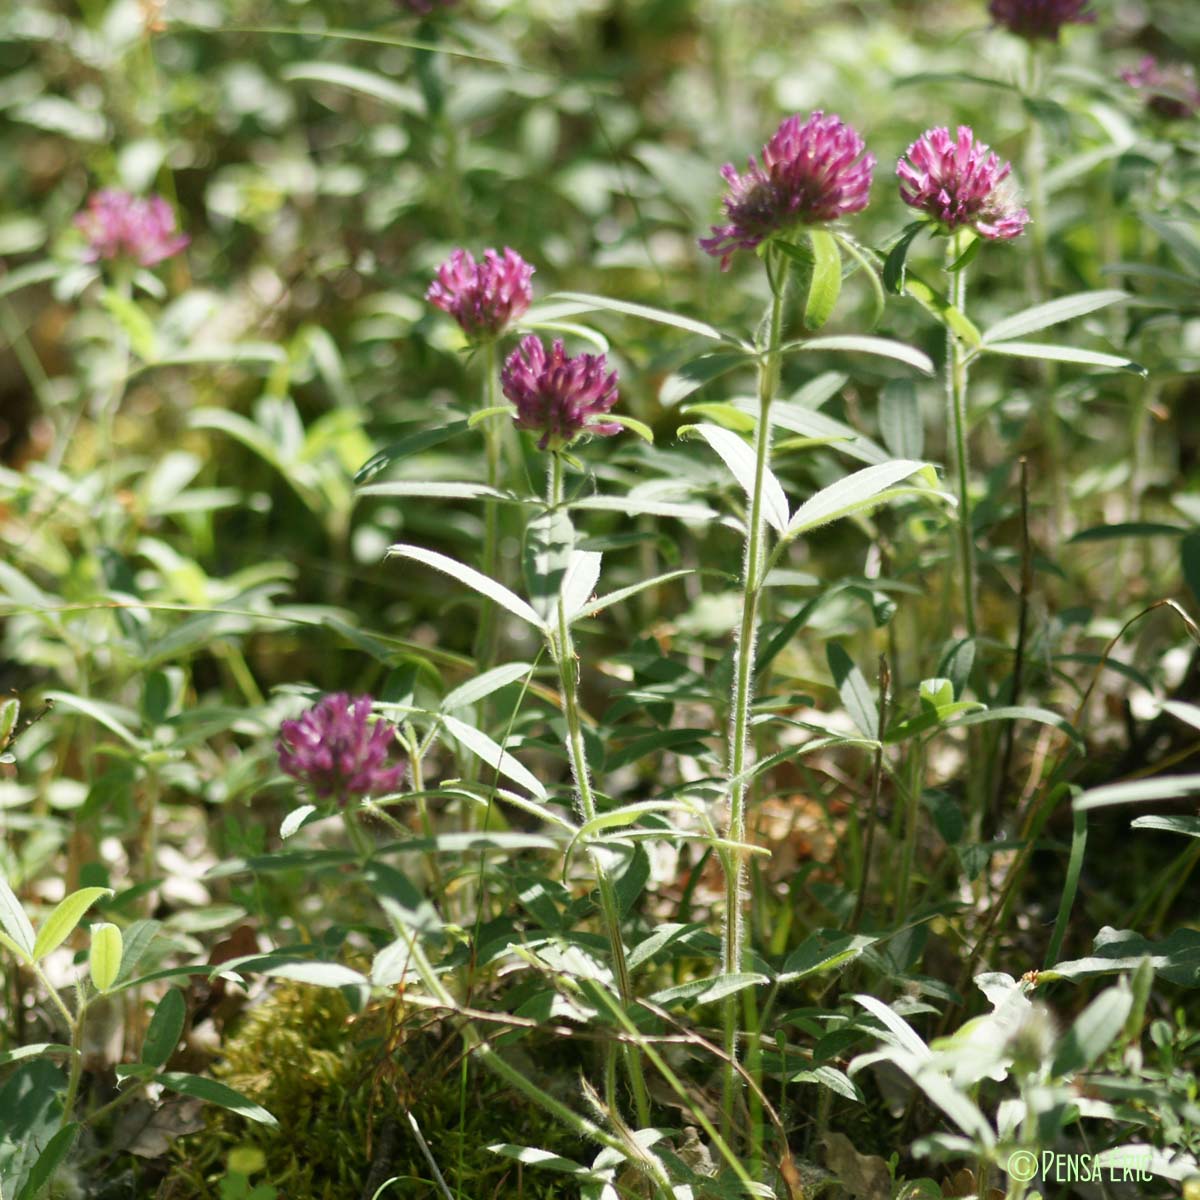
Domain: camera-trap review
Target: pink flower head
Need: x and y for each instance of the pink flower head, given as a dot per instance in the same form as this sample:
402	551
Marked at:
1170	88
810	173
558	396
961	183
1034	19
335	751
482	297
118	225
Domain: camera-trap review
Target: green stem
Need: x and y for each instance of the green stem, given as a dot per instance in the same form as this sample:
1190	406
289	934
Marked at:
956	410
740	750
485	638
563	649
1035	178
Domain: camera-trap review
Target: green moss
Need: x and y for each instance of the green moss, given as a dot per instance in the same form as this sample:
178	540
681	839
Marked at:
340	1084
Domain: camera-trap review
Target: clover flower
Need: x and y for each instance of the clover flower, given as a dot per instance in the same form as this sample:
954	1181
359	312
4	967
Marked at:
559	396
1171	89
811	172
336	751
1034	19
961	183
482	297
119	225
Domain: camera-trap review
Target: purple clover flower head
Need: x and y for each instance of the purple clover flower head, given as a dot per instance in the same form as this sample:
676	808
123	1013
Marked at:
1035	19
961	182
335	750
1171	89
483	297
119	225
811	172
558	396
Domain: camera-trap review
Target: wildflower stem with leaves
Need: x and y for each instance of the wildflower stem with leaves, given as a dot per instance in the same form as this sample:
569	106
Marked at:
563	649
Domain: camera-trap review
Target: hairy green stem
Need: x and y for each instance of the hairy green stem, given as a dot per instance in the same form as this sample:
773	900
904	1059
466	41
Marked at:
743	694
485	637
564	653
956	411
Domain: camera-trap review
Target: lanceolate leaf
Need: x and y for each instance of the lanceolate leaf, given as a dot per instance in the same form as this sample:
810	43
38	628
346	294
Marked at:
472	578
1138	791
738	456
483	685
494	756
14	921
826	283
893	265
61	923
875	346
213	1092
1042	316
570	303
1067	354
850	495
854	690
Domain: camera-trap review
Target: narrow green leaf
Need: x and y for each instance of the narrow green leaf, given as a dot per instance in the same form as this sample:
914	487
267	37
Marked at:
549	543
900	419
738	456
166	1028
295	820
875	346
483	685
61	923
1139	791
581	302
472	578
494	756
610	598
939	307
1042	316
579	584
851	494
633	425
213	1092
355	79
437	489
50	1159
110	716
825	284
708	991
635	505
1095	1029
894	264
854	690
1188	826
1067	354
104	956
16	924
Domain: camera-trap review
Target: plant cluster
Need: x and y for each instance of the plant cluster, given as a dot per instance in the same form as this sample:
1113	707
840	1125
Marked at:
664	733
